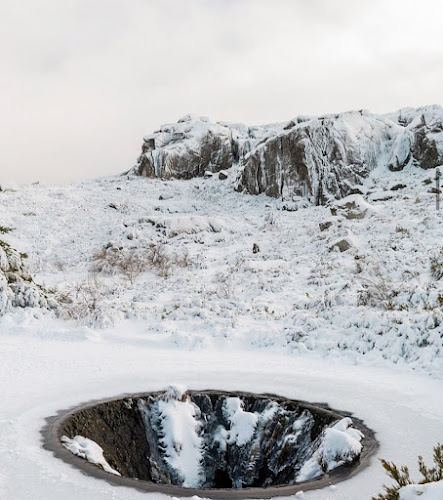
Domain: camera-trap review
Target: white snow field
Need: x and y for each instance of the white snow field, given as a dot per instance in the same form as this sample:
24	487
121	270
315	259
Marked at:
359	329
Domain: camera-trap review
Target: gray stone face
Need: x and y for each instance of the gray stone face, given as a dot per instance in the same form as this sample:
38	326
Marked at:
185	150
426	148
320	159
422	134
315	159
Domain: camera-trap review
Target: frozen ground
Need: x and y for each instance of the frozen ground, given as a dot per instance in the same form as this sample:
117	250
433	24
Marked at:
360	329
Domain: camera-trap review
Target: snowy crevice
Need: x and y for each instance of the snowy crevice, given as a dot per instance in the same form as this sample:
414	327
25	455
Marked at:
217	440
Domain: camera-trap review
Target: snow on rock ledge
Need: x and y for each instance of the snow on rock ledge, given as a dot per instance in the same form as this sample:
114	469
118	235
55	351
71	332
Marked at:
339	444
88	449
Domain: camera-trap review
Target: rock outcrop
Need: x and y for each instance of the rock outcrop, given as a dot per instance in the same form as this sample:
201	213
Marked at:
318	159
186	149
422	135
17	288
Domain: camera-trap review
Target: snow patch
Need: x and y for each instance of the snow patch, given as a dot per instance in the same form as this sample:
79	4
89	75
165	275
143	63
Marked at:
181	440
242	423
429	491
339	444
88	449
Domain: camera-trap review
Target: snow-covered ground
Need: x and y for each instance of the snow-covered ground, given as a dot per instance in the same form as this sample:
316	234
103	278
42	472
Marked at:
360	329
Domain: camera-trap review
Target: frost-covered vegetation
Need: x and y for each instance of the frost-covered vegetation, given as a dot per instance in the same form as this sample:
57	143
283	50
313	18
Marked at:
17	288
430	487
201	264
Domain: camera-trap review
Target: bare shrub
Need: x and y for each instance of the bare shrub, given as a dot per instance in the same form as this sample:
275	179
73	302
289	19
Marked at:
131	262
88	303
437	265
272	220
107	260
376	294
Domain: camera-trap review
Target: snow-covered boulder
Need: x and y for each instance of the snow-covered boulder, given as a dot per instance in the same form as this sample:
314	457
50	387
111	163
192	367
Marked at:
174	225
352	207
339	444
186	149
17	289
421	137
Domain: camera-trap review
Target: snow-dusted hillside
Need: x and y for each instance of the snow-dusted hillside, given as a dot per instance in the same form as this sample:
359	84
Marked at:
177	258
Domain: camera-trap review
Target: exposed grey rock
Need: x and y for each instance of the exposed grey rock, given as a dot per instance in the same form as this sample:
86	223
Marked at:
318	159
398	186
423	135
186	149
325	225
342	245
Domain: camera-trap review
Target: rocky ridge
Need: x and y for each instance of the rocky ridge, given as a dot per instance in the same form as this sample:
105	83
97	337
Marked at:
315	159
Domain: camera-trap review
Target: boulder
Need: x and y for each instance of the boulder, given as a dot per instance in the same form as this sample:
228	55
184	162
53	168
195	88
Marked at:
352	207
342	245
186	149
325	225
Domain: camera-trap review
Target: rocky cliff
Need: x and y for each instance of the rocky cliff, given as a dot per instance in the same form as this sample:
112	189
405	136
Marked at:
315	158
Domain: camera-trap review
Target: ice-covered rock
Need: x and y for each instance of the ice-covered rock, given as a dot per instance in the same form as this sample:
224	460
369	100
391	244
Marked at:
421	137
318	159
186	149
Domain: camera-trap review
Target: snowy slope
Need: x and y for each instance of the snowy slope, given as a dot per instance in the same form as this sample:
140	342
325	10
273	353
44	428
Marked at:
200	284
188	301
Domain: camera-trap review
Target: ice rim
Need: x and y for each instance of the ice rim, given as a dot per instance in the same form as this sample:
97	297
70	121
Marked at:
52	433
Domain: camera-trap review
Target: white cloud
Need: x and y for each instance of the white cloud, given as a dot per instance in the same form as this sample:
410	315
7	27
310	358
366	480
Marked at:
83	80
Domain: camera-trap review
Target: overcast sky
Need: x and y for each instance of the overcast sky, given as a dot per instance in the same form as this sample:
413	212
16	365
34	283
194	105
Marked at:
83	80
